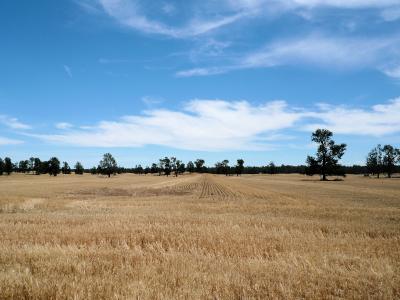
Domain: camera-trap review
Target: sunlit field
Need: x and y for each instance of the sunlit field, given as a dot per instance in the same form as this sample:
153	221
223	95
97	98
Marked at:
199	236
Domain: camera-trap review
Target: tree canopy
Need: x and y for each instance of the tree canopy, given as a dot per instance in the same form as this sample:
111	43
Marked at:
78	168
326	161
108	165
391	156
239	167
54	166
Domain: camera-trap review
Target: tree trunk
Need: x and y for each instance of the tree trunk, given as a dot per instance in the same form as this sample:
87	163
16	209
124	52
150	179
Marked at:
323	177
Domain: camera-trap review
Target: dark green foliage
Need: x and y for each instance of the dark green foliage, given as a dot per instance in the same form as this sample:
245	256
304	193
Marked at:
38	167
181	168
53	166
165	166
239	167
44	167
328	155
391	156
23	166
199	165
154	169
190	167
1	166
93	171
31	164
8	166
176	165
108	165
222	167
139	170
65	168
375	161
79	168
272	169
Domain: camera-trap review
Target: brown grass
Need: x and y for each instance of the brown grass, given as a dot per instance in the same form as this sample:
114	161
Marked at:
199	236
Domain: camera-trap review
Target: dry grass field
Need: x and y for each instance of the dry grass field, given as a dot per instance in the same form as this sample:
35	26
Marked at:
199	237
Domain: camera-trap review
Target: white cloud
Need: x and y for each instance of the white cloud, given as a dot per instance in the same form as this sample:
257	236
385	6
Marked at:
6	141
209	15
13	123
319	50
381	119
204	71
393	71
202	125
130	14
345	3
291	4
64	125
315	50
218	125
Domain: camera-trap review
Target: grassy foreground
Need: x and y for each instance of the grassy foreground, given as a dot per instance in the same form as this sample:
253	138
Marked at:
199	236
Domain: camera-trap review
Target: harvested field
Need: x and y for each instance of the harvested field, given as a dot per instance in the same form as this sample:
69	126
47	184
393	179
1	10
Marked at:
199	237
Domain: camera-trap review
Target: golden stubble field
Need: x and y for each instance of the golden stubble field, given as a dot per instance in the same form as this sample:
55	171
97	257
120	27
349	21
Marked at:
198	237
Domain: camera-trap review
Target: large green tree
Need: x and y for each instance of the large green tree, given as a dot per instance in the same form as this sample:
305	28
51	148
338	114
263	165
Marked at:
1	166
391	156
272	169
225	166
54	166
375	161
38	166
79	168
23	166
165	166
65	168
108	165
154	168
176	166
326	161
199	165
8	166
190	167
239	167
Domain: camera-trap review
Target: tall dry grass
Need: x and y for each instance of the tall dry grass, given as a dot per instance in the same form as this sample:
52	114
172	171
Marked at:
151	237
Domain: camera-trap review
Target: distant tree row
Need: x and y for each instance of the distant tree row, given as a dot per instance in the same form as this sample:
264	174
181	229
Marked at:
36	166
325	163
383	160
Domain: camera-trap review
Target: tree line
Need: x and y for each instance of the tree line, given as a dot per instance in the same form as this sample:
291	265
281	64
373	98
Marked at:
380	160
35	165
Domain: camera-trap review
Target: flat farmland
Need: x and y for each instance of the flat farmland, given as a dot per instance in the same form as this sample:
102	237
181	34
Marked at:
199	237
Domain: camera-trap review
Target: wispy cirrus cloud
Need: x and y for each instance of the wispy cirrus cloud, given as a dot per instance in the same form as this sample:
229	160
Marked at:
140	16
6	141
199	20
132	14
291	4
316	50
218	125
13	123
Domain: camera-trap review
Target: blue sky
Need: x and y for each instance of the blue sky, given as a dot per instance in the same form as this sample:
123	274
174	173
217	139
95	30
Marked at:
205	79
